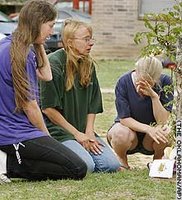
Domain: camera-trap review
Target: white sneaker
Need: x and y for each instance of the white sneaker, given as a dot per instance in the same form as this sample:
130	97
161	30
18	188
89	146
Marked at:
3	160
3	169
4	179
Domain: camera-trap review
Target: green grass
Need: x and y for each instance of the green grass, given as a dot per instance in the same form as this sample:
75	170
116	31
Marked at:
105	119
126	185
109	71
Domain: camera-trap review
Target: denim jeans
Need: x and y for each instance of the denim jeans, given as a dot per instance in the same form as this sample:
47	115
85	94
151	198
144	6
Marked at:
105	162
42	158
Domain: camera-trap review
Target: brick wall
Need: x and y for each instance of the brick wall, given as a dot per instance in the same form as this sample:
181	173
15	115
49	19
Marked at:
115	23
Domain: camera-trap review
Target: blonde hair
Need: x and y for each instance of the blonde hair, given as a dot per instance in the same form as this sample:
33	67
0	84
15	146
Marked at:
31	17
149	66
76	63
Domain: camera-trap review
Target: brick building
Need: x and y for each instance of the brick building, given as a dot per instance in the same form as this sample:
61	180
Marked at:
116	22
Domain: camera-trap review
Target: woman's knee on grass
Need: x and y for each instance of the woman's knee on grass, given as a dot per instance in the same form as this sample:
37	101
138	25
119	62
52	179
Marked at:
80	171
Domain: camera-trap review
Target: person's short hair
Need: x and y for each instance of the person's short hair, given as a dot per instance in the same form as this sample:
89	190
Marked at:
149	66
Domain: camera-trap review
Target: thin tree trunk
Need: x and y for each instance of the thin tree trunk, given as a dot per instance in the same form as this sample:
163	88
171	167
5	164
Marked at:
178	75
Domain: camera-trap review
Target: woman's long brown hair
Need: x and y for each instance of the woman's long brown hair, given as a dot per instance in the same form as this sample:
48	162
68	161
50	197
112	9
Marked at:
31	17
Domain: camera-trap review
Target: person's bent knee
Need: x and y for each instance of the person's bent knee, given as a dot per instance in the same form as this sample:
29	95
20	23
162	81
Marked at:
113	167
82	153
107	161
121	134
90	167
80	171
108	167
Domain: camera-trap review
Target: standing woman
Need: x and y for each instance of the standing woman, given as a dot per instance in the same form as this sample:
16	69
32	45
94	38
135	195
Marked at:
30	152
73	98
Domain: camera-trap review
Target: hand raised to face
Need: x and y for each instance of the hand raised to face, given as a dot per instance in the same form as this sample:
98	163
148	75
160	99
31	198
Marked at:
144	85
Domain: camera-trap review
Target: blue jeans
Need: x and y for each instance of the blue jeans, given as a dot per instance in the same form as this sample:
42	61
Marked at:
105	162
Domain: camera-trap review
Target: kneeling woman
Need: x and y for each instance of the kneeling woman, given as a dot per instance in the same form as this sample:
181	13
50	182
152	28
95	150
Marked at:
73	98
28	150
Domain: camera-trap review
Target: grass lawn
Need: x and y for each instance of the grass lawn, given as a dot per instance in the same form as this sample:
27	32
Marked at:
109	71
126	185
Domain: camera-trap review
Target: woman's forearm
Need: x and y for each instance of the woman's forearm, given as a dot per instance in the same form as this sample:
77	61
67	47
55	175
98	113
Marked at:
160	113
44	71
34	115
90	124
56	118
134	125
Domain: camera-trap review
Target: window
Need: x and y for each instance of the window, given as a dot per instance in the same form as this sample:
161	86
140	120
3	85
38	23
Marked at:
154	6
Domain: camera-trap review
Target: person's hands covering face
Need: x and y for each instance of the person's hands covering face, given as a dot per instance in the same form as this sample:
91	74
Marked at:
144	88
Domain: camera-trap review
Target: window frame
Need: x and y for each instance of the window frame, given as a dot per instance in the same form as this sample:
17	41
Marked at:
142	10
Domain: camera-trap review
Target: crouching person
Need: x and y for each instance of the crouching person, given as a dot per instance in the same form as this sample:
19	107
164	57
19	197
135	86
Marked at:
141	102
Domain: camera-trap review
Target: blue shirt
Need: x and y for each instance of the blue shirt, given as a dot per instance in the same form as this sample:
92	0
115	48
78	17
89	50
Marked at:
14	126
130	104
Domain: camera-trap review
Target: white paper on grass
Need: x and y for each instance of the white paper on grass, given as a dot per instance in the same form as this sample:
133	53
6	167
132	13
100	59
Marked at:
162	168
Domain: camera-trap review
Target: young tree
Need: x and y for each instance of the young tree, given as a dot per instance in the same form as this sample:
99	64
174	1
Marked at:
163	35
162	31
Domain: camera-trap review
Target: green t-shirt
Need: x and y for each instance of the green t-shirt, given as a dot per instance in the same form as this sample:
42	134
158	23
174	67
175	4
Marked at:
75	104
